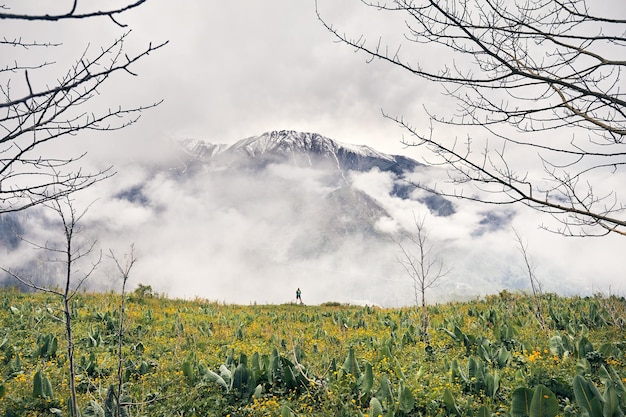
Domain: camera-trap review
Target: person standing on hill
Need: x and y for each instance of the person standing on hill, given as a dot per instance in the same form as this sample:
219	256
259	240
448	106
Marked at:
298	295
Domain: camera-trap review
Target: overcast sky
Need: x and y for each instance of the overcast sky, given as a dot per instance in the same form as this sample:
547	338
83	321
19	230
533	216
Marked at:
238	68
235	69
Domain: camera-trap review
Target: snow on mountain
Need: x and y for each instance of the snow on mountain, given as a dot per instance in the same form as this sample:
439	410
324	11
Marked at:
297	148
200	149
290	142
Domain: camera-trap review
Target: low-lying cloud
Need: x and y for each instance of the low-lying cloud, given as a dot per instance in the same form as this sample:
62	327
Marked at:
254	237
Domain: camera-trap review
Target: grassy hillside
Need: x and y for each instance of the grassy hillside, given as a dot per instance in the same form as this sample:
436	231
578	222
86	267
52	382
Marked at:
198	358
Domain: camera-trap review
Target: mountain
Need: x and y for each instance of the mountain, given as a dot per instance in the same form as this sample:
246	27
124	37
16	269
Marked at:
301	149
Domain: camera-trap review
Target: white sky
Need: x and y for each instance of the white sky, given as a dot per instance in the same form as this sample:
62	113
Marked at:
238	68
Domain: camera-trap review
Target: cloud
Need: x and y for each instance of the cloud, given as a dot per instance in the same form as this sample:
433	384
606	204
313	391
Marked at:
245	237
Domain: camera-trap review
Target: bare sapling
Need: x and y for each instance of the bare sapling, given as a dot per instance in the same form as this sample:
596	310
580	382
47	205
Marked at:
69	251
124	267
535	284
425	268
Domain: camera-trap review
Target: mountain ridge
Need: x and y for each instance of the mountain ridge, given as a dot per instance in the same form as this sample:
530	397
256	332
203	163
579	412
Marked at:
303	149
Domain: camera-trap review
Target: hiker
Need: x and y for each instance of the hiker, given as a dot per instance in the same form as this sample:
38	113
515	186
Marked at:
299	295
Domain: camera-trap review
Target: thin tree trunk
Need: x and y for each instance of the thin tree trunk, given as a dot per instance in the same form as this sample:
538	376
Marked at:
68	318
120	357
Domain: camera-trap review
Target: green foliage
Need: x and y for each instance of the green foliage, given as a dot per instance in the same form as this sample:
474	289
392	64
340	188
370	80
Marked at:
520	403
47	346
610	403
143	291
42	388
450	403
112	405
350	365
375	407
540	402
544	403
588	396
367	381
192	358
406	401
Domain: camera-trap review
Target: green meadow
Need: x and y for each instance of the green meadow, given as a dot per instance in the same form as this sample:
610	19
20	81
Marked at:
505	355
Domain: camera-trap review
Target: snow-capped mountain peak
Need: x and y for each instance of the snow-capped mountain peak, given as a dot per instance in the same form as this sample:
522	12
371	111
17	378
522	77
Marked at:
292	141
300	149
198	148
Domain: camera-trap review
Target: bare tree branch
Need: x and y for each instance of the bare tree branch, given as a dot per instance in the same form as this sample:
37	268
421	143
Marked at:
72	14
542	79
34	112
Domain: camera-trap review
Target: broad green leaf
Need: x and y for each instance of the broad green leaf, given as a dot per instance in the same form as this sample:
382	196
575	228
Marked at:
449	333
504	356
350	365
612	403
458	334
584	346
274	365
188	372
385	389
258	391
493	384
407	401
520	403
448	400
544	403
285	411
604	376
398	368
240	377
256	362
290	377
226	374
473	368
213	377
556	346
38	384
47	387
109	402
585	393
619	386
376	408
144	368
368	379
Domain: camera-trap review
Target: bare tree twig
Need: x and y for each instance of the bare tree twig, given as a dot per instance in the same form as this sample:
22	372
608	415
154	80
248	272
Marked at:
33	114
543	80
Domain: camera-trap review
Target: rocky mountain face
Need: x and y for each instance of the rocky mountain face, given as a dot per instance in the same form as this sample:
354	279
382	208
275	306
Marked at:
299	149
